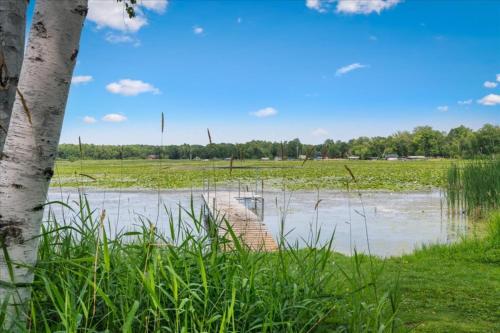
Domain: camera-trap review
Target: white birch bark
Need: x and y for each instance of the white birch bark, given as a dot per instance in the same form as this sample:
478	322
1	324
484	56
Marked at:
27	163
12	28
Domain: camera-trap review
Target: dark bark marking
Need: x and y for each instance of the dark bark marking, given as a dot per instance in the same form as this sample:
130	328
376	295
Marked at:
80	10
74	55
10	233
40	29
4	76
25	106
18	186
4	72
38	59
48	173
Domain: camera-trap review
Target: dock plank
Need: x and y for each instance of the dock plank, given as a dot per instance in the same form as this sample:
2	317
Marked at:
224	205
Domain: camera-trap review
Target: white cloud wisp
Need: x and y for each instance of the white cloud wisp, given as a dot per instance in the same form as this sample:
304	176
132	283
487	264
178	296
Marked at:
349	68
128	87
265	112
81	79
114	118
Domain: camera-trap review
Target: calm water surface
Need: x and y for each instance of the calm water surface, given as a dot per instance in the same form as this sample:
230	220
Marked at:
397	222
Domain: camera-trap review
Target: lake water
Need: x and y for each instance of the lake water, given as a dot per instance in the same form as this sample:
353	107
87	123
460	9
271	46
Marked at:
397	223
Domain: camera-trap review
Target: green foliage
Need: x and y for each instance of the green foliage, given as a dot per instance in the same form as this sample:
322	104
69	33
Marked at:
460	142
474	186
144	281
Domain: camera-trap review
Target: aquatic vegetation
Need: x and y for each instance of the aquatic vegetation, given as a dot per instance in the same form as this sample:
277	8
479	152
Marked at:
474	186
328	174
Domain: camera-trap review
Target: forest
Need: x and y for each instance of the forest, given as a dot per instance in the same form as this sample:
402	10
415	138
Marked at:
459	142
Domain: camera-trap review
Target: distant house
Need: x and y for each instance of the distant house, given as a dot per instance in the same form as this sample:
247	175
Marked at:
302	157
152	157
392	157
419	157
264	159
353	157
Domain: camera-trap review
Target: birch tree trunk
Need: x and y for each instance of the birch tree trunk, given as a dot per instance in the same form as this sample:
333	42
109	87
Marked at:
27	163
12	28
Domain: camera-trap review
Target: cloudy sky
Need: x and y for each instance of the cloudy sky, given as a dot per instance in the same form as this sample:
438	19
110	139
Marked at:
277	70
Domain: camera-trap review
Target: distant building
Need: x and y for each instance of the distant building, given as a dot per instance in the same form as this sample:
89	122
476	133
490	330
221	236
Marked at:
353	157
416	157
302	157
152	157
264	159
392	157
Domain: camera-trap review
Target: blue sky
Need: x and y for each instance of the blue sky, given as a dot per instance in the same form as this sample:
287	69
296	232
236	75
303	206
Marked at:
277	70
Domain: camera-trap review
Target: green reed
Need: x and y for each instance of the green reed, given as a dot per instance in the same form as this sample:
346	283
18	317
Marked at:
473	187
88	279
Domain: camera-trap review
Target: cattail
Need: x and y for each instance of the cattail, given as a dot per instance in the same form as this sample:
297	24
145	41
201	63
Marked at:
209	136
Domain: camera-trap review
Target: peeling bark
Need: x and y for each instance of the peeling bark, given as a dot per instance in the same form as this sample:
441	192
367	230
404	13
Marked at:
27	162
12	28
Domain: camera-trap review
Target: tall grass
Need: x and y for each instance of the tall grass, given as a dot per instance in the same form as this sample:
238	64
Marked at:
474	186
149	281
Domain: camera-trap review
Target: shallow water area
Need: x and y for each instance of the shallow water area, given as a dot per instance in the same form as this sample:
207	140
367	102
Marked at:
396	222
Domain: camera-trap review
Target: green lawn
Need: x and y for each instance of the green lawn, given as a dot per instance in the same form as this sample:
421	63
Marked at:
384	175
448	288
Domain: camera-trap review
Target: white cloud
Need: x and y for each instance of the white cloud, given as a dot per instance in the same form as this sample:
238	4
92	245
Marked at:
128	87
264	113
239	20
114	118
348	68
490	84
442	108
465	102
122	38
315	5
81	79
158	6
489	100
197	30
352	6
89	120
364	6
111	14
320	132
498	77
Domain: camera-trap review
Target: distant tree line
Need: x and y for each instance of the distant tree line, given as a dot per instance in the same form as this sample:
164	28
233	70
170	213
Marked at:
459	142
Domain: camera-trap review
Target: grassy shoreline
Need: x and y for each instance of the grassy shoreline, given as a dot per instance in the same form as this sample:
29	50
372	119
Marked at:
171	283
328	175
166	283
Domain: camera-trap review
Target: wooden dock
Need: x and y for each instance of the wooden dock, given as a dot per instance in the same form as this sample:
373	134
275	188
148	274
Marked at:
224	206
